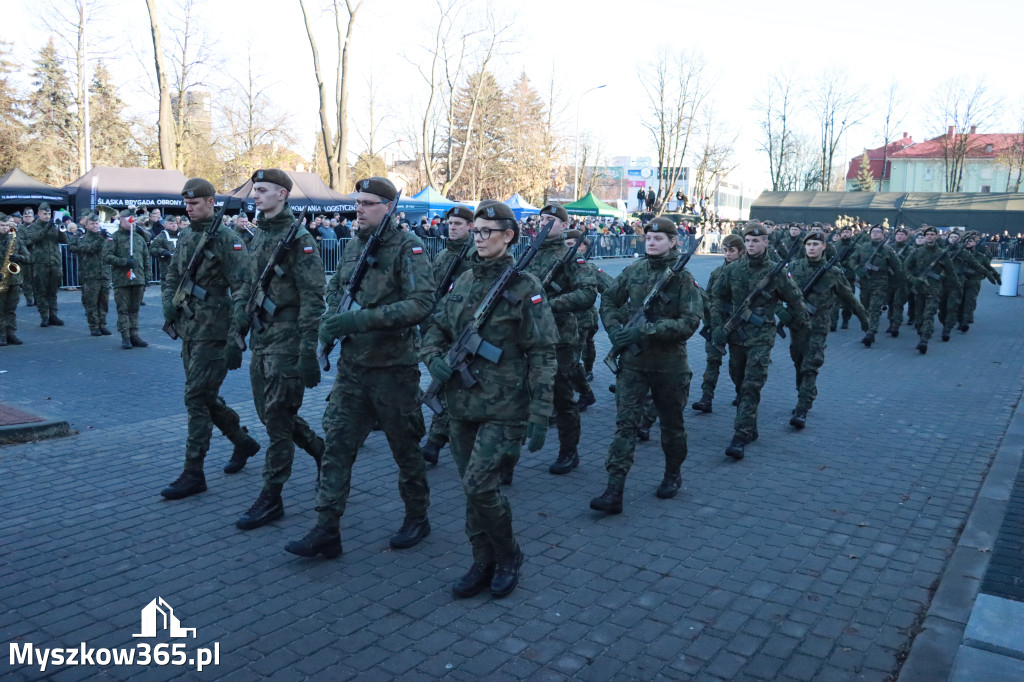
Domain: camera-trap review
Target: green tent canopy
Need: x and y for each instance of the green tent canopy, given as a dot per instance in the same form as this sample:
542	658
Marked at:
591	205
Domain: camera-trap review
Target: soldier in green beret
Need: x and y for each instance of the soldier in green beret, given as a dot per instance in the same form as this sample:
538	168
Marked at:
378	378
898	293
43	238
93	273
733	250
586	323
283	362
926	267
511	400
974	271
10	279
164	245
875	263
128	256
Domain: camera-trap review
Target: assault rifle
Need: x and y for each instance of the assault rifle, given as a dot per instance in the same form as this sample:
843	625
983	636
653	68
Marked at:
259	300
367	259
449	275
559	265
470	344
870	266
639	315
187	287
743	312
819	273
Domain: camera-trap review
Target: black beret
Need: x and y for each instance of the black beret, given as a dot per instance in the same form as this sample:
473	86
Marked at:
925	229
734	241
382	187
754	229
274	175
901	229
196	188
815	234
573	234
494	210
44	206
556	210
663	225
16	214
463	212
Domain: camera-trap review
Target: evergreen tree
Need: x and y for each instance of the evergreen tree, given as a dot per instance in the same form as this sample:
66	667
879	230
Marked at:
111	134
526	164
865	180
52	151
12	124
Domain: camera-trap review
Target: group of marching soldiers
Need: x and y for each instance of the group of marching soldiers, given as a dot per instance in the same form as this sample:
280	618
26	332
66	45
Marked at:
507	342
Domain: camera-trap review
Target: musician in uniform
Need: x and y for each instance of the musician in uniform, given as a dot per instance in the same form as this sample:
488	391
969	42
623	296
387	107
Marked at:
44	238
128	256
13	259
164	244
93	273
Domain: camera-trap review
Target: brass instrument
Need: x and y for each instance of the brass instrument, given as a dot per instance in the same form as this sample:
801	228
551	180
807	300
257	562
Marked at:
7	268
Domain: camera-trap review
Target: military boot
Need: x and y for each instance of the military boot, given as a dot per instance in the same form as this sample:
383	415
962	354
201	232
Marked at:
670	485
94	332
610	501
868	339
945	335
892	328
845	324
704	404
922	346
104	330
643	433
506	574
413	530
323	539
245	448
45	322
126	342
431	450
964	328
566	462
586	400
55	321
477	579
13	340
799	418
136	341
189	483
735	449
267	507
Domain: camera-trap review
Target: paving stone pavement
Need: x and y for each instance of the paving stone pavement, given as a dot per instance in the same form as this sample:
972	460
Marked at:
812	559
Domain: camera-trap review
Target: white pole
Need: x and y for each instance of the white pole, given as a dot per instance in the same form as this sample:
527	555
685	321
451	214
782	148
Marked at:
576	152
85	104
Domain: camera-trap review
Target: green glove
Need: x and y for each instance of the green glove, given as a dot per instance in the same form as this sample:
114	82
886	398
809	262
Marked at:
309	370
440	370
625	336
719	338
536	432
335	326
232	355
239	319
170	312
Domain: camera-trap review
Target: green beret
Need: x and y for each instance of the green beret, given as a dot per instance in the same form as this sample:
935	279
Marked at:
663	225
125	213
44	207
463	212
274	175
901	229
197	187
382	187
494	211
573	234
556	210
754	229
816	235
925	229
733	241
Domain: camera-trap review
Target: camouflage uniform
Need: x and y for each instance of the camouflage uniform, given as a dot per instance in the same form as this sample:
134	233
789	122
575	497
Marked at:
9	298
203	338
898	290
750	346
927	285
660	368
586	323
714	356
577	291
488	419
973	273
875	271
163	246
953	288
844	266
44	240
93	276
277	388
378	378
127	292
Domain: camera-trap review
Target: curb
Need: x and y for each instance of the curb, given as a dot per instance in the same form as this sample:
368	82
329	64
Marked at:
23	433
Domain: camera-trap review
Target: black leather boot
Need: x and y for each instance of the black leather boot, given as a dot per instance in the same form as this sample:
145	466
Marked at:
126	342
137	341
735	449
566	462
267	507
431	451
244	449
868	339
704	404
506	574
799	418
610	501
189	483
670	485
323	539
477	579
13	340
413	530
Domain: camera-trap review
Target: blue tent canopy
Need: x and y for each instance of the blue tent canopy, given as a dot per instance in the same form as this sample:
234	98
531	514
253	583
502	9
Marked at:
435	201
520	206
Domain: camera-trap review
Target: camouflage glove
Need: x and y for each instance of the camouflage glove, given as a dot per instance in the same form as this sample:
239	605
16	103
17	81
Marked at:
335	326
232	356
536	432
440	370
170	312
309	370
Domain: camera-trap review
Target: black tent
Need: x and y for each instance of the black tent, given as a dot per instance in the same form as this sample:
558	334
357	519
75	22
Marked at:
19	189
127	187
309	193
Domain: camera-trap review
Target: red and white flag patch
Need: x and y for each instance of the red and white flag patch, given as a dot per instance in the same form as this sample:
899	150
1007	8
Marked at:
237	247
417	250
536	298
307	249
581	261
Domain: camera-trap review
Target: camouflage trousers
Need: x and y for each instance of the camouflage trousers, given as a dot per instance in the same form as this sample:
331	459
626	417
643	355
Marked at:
8	306
669	392
482	450
46	283
949	306
588	351
439	424
96	301
711	371
567	414
27	273
277	393
360	397
579	381
926	304
807	348
874	293
969	301
896	299
204	373
748	367
847	313
127	301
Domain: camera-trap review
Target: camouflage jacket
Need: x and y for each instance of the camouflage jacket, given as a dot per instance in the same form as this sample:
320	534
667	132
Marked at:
19	250
964	263
870	266
712	281
671	320
89	247
794	246
587	318
164	241
44	240
395	296
522	381
846	265
921	272
225	266
243	234
737	280
298	293
831	288
450	252
979	269
115	253
578	288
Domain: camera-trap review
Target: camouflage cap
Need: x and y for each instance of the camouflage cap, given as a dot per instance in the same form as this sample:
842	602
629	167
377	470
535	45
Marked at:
816	235
733	241
463	212
663	225
196	188
45	206
382	187
494	210
556	210
274	175
754	229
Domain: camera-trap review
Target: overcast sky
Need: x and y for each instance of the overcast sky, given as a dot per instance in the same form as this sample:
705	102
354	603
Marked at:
919	43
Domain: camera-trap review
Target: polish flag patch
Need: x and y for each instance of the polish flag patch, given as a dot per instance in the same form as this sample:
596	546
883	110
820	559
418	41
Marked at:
581	261
307	249
536	298
237	247
417	250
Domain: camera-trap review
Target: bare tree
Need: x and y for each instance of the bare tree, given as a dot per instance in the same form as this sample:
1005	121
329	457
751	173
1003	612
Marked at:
959	107
165	121
892	120
716	156
1013	157
837	105
776	107
675	89
334	135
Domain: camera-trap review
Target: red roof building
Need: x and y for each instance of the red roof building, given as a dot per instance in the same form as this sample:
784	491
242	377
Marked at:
923	167
877	157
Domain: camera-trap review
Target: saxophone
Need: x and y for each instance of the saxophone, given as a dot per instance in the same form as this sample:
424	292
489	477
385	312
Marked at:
7	268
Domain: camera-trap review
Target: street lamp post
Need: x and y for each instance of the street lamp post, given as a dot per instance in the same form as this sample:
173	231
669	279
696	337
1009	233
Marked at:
576	152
